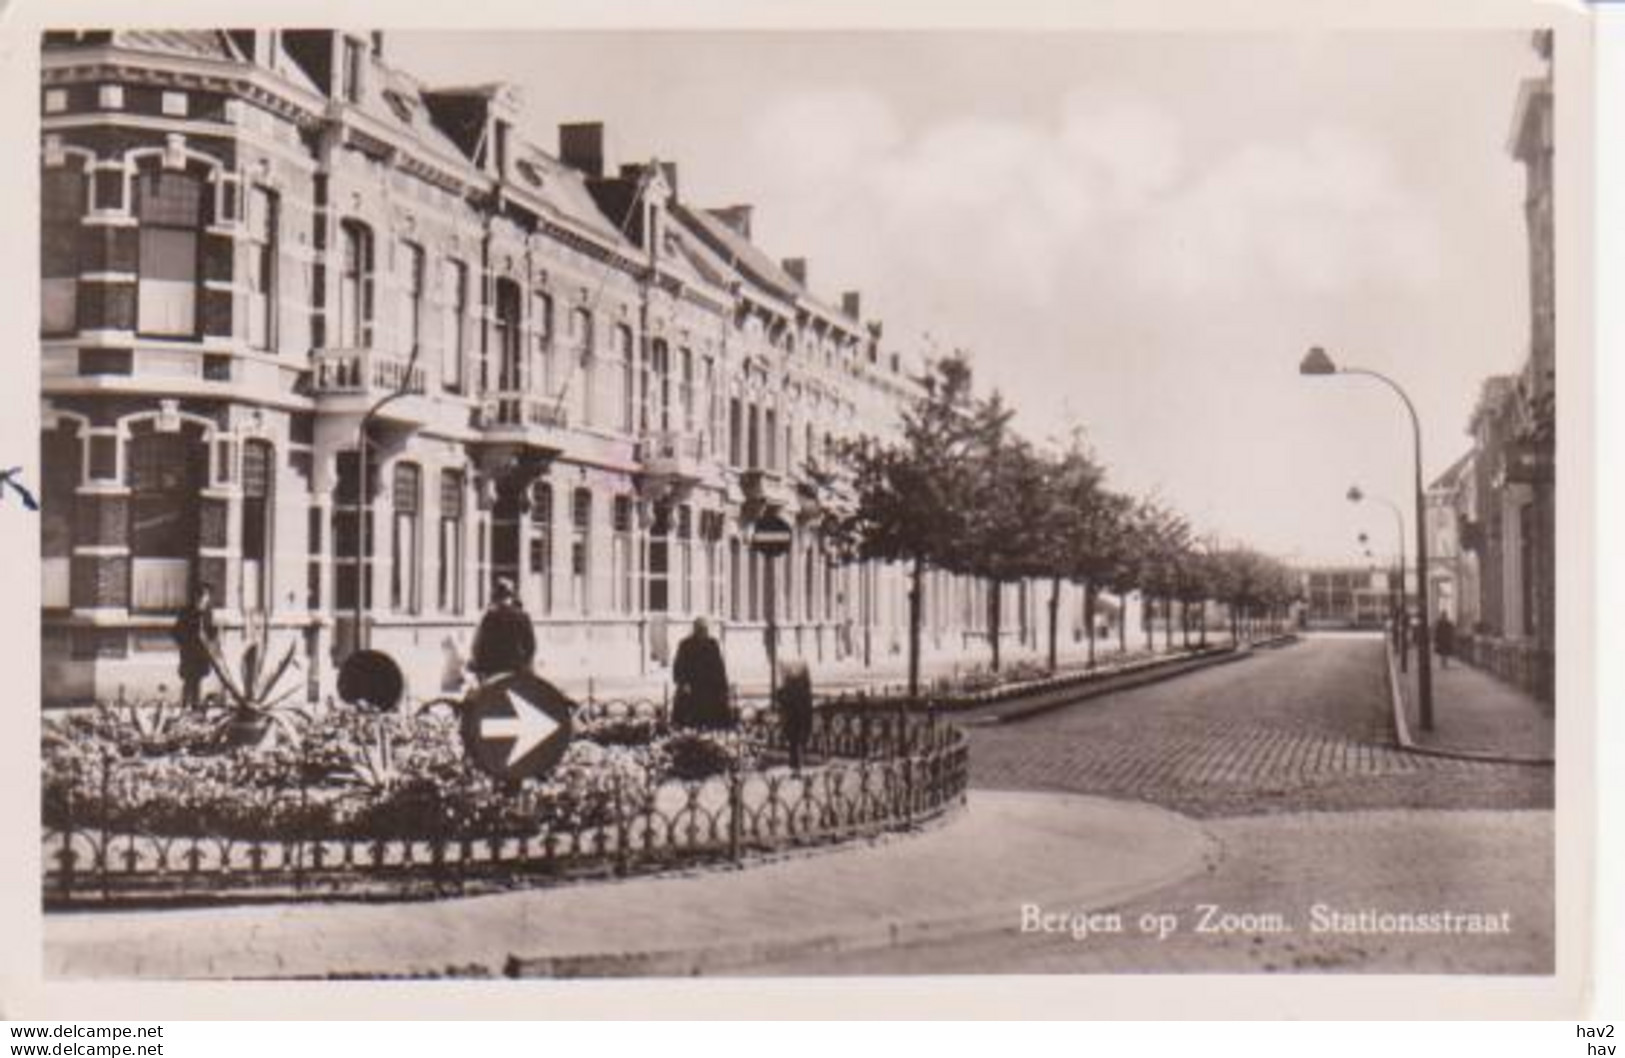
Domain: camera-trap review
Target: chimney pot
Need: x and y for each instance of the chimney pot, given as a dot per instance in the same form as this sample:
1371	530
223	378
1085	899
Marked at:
852	304
796	268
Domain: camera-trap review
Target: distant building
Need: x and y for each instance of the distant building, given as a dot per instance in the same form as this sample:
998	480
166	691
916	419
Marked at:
1349	596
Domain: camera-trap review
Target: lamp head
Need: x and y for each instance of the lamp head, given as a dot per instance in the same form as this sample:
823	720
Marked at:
1354	494
1316	362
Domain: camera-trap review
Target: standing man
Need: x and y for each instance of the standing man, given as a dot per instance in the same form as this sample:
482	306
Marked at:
702	681
194	632
1444	638
505	640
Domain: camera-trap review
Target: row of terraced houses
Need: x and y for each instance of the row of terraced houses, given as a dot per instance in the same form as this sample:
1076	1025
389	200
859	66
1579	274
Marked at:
252	240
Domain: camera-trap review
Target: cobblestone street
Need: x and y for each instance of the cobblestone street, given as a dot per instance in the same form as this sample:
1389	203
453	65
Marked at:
1288	758
1308	727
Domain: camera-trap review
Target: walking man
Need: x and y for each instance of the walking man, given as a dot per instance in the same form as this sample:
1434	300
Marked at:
701	676
1444	639
194	632
505	641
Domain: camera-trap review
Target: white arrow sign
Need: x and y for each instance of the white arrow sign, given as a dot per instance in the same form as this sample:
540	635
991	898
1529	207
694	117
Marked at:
529	727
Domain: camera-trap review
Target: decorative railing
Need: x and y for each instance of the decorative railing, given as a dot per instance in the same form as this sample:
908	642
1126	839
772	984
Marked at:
337	372
1523	663
671	447
506	408
865	772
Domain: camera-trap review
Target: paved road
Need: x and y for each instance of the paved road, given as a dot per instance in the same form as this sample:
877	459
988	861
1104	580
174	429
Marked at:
1287	758
1306	727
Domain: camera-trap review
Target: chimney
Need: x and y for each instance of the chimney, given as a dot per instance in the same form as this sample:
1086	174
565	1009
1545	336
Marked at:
852	304
796	267
668	171
735	217
581	147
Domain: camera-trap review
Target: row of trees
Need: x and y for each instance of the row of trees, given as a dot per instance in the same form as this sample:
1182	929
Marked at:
959	490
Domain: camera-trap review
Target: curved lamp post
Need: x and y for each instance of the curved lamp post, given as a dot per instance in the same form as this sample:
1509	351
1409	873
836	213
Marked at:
1357	495
1317	363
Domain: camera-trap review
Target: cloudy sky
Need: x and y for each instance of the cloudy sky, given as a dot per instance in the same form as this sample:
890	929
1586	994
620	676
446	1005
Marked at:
1136	233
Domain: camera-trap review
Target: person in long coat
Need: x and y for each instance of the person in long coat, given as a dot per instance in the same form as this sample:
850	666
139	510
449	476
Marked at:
795	708
505	640
1444	639
701	676
194	632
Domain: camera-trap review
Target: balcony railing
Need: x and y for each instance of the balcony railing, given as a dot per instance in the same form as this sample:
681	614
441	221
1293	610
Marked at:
363	372
506	409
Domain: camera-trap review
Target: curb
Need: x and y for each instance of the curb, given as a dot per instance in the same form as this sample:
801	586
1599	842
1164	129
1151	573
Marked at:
1402	728
877	935
1063	697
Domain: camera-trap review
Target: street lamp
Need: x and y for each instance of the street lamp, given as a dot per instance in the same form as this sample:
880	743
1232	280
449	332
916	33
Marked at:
1356	495
1317	362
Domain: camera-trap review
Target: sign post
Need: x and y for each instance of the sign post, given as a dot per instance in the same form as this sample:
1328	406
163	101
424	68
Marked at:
771	539
517	726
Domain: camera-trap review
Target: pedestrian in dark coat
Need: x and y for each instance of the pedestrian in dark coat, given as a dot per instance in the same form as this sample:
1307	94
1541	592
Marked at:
194	632
701	676
1444	639
505	640
796	709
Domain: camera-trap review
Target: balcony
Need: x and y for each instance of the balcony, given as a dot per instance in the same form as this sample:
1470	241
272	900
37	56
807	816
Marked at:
521	434
672	462
352	381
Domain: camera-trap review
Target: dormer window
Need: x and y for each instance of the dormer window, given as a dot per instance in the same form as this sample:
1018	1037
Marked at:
353	58
399	105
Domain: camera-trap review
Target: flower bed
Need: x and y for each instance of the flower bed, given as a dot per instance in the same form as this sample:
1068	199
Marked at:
141	800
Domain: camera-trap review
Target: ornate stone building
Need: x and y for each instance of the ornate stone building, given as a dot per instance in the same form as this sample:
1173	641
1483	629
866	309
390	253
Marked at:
257	245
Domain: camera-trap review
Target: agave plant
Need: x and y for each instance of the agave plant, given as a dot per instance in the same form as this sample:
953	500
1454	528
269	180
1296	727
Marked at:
154	725
371	765
257	693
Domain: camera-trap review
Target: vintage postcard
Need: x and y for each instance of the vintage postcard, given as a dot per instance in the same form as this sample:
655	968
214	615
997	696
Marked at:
1030	511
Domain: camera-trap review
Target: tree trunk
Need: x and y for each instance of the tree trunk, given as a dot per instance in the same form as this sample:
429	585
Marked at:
915	588
1089	617
1148	613
1054	618
995	612
1185	623
1168	622
1122	623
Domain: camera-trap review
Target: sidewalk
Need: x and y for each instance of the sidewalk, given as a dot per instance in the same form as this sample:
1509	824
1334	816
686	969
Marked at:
1474	715
975	871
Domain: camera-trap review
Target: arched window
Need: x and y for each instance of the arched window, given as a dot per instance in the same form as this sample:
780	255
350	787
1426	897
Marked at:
450	580
629	389
581	550
410	267
541	543
506	338
171	207
454	346
355	286
581	351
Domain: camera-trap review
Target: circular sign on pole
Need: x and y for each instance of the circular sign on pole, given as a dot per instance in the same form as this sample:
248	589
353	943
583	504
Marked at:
371	678
517	726
771	535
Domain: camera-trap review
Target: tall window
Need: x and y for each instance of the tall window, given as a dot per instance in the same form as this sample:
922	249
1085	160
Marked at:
661	364
541	542
621	571
454	347
582	354
352	547
355	286
629	389
449	585
506	335
411	279
170	207
736	579
62	207
771	431
166	472
712	425
753	438
685	558
258	467
407	497
541	335
735	448
685	361
263	217
580	550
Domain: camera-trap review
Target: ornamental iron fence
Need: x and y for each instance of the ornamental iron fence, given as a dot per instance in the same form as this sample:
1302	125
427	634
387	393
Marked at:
866	773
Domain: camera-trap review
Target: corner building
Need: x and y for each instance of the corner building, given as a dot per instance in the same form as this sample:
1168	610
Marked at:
252	239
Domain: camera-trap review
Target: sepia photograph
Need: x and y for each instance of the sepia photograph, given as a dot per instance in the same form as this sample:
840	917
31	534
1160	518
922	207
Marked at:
812	503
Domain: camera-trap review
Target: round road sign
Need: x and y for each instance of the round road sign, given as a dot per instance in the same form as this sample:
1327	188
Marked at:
371	678
517	726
